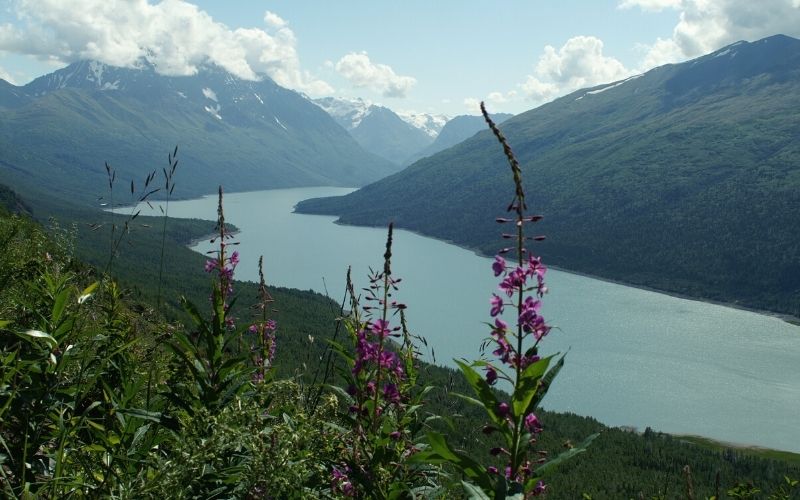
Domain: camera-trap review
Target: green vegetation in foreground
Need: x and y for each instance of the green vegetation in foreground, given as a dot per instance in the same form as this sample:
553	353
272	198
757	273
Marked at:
105	393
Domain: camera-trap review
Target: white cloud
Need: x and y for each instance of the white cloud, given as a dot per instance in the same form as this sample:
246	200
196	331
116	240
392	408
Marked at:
6	76
579	63
473	105
663	51
706	25
361	72
273	20
175	36
651	5
500	97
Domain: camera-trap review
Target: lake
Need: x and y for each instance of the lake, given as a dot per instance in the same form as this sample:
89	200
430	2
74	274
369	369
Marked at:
636	357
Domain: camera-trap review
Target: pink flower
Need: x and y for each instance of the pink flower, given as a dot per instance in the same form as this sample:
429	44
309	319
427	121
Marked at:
499	265
497	305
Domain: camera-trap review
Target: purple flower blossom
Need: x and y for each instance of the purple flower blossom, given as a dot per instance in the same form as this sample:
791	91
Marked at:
499	265
503	409
515	280
532	423
491	375
503	350
210	265
391	394
497	305
340	482
529	314
380	328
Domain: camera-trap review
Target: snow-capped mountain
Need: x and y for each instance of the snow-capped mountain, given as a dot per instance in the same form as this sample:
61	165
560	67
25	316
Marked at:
380	130
347	112
428	123
62	127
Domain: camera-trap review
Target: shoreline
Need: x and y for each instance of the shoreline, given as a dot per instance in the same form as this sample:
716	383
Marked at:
785	317
719	443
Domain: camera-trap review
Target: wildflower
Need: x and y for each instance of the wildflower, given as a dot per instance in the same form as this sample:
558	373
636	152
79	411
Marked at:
380	328
503	409
532	423
391	394
491	375
340	482
497	305
529	314
515	280
499	265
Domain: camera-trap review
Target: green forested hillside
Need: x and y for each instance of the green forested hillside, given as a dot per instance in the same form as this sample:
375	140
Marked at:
57	131
686	179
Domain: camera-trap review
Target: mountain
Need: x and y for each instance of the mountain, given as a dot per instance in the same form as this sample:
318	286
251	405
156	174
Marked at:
428	123
379	129
456	130
685	178
59	129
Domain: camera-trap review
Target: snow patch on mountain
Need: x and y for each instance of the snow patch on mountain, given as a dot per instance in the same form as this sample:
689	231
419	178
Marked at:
348	112
608	87
214	111
428	123
210	94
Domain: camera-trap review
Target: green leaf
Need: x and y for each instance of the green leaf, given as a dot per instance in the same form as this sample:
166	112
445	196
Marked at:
440	452
474	492
87	292
550	465
527	385
152	416
41	335
58	307
482	390
5	322
546	381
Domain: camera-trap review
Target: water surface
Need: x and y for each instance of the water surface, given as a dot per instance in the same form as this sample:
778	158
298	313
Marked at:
636	358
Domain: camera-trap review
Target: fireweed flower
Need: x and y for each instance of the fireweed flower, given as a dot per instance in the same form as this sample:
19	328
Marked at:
499	265
521	287
491	375
340	482
497	305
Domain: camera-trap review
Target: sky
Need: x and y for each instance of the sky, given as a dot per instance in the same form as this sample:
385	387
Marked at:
424	56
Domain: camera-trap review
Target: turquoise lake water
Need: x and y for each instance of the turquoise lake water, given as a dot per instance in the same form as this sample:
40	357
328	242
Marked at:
637	358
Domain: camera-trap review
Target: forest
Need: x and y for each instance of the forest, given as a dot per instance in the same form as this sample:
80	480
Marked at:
131	367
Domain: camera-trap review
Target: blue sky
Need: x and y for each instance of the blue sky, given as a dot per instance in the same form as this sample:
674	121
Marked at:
426	56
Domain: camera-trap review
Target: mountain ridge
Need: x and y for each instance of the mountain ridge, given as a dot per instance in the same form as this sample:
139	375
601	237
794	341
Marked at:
243	134
684	179
382	131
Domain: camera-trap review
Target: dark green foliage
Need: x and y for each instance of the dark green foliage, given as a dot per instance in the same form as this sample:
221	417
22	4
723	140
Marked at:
685	179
